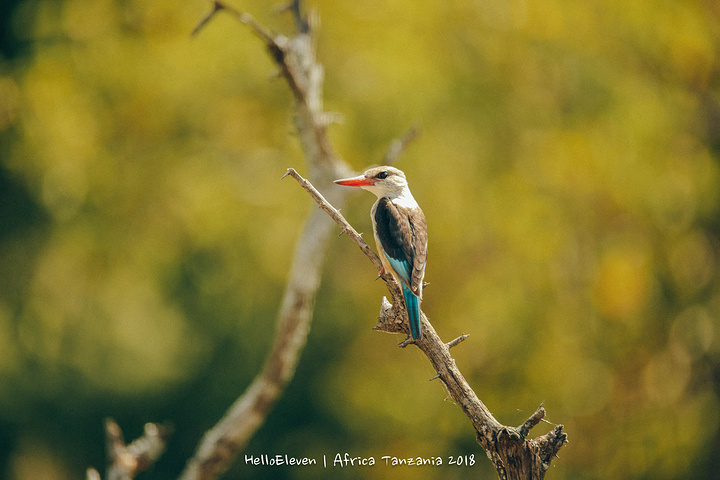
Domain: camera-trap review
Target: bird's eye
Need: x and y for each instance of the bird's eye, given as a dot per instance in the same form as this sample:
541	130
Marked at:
381	175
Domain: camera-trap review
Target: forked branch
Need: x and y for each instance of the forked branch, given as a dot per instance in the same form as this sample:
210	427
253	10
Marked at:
295	57
126	461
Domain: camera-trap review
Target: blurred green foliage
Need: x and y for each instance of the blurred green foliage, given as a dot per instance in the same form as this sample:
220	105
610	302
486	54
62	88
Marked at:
568	167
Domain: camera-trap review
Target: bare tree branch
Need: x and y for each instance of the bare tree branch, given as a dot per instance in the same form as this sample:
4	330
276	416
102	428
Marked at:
513	456
304	76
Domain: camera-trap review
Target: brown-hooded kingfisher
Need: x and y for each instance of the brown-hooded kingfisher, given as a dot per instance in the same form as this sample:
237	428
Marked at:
400	234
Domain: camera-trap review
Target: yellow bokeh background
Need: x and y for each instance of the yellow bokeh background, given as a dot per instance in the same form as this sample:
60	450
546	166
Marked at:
568	165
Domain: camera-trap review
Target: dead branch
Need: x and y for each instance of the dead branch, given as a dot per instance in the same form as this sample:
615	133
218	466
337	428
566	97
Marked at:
126	461
513	456
304	76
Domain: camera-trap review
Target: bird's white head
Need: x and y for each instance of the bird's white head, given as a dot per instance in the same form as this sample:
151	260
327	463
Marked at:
382	181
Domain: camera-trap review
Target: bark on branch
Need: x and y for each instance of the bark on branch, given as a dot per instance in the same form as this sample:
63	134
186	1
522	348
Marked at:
514	456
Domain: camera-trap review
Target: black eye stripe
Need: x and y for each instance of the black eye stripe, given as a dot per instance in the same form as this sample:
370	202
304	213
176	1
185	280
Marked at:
381	175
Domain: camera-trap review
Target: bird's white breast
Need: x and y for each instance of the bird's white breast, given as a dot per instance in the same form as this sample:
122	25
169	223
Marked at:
406	200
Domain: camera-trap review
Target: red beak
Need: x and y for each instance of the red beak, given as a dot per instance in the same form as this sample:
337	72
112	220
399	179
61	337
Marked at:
358	181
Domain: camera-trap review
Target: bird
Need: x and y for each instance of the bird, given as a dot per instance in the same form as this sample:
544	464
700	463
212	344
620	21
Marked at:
400	232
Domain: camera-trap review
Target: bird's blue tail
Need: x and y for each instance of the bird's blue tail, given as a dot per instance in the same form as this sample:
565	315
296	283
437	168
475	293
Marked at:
412	303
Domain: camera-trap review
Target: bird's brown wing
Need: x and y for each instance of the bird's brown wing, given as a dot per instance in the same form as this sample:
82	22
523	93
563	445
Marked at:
403	234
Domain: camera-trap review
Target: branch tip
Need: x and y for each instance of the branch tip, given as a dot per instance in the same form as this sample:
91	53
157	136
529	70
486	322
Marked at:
243	17
456	341
92	474
289	171
534	419
217	6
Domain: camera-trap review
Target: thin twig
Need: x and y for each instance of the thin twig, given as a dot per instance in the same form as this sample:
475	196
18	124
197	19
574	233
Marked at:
398	146
217	6
534	419
456	341
340	220
243	17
